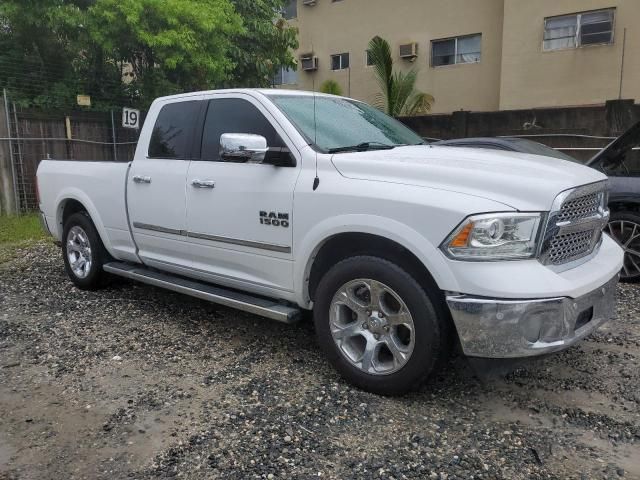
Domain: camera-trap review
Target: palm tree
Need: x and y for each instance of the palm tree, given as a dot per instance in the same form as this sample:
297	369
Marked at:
332	87
399	96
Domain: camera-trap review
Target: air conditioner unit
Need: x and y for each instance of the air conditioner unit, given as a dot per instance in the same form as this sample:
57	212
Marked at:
309	3
409	51
308	62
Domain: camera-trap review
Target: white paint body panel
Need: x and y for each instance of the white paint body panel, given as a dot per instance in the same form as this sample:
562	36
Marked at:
414	196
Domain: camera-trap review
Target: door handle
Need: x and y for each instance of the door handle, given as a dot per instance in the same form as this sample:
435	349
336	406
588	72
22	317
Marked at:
141	179
203	183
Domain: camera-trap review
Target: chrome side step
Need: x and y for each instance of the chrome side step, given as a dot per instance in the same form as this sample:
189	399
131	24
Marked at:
229	298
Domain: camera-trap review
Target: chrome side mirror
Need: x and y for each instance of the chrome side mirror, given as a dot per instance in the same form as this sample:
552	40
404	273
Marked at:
243	147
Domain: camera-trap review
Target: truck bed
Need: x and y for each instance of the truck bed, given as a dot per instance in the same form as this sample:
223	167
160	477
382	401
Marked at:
100	187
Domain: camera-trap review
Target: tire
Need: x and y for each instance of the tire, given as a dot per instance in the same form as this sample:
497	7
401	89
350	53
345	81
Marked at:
406	348
624	228
80	241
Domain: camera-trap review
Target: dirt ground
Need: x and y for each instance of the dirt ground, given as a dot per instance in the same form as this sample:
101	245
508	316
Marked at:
136	382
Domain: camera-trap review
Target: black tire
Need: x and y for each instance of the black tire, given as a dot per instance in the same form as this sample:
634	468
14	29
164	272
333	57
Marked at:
430	324
621	226
95	277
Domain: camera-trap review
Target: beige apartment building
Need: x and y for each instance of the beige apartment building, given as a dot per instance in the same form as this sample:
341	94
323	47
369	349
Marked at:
478	55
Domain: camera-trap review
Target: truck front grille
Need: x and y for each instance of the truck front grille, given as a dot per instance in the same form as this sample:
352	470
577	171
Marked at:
575	224
581	207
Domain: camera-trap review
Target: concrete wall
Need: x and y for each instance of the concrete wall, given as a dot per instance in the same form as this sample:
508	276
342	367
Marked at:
609	120
347	26
533	78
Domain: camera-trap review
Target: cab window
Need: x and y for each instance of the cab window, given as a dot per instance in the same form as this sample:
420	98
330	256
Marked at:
234	115
172	133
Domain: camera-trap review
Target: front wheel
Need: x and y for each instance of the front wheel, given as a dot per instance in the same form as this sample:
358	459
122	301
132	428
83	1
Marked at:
83	252
378	326
624	228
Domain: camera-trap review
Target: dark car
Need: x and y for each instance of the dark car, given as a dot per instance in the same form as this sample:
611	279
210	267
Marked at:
620	160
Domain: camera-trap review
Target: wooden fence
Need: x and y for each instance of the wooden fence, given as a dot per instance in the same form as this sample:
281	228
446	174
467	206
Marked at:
28	136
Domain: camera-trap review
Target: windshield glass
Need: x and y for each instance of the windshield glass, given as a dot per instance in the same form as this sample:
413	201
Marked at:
342	123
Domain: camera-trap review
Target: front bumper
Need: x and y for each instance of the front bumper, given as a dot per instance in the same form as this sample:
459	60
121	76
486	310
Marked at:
505	328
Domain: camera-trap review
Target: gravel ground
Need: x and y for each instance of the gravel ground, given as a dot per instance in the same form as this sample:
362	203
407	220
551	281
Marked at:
137	382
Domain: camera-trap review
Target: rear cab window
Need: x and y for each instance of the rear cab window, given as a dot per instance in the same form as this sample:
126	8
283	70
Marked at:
172	135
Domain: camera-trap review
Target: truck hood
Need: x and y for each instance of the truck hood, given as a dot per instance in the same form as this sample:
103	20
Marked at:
521	181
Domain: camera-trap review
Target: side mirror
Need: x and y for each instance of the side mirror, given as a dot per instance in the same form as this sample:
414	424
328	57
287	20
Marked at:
243	147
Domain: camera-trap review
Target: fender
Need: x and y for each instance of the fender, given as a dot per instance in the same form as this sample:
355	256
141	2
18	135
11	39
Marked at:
388	228
73	193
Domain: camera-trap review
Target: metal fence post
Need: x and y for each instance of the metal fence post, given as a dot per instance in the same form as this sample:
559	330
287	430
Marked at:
7	168
113	136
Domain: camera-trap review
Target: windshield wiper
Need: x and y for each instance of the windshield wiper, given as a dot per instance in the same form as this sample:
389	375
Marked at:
362	147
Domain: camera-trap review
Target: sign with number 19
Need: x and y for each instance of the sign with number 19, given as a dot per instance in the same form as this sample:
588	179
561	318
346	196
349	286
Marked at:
130	118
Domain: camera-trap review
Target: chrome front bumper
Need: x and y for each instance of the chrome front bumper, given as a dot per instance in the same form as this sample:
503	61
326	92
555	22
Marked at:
495	328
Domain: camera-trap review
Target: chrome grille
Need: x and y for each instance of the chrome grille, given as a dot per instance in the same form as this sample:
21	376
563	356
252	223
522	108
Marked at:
570	246
575	224
581	207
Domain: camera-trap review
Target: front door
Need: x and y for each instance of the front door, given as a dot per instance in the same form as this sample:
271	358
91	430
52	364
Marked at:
240	215
156	196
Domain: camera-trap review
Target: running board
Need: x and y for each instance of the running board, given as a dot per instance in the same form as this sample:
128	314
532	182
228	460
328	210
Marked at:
229	298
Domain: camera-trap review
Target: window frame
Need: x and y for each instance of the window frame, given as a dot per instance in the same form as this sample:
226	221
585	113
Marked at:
366	59
280	73
578	34
455	50
341	56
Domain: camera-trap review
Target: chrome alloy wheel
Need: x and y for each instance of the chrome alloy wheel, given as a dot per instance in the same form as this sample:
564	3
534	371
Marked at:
79	252
627	234
372	326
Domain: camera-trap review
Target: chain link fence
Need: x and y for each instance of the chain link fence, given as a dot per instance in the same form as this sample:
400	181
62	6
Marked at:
28	135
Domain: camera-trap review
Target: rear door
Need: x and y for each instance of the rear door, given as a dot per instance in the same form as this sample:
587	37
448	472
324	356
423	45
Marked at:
241	229
156	185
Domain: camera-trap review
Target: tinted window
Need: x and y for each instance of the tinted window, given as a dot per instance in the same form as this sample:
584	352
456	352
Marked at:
233	115
172	133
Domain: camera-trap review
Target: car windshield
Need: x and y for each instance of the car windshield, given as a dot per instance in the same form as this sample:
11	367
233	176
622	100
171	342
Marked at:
340	124
535	148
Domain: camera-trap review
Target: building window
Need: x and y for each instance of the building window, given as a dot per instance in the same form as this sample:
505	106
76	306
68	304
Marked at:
456	50
285	76
340	61
368	59
290	10
577	30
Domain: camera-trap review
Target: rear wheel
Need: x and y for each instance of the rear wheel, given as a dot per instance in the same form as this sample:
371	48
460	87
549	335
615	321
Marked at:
83	252
624	228
377	325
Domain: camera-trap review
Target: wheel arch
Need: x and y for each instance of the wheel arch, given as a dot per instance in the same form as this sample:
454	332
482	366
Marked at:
73	201
357	234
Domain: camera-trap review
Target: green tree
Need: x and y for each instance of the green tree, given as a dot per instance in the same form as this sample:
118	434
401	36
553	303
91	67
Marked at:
331	87
264	46
171	45
39	42
399	96
131	51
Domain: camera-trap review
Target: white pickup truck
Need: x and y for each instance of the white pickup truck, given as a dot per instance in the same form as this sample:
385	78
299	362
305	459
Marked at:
274	201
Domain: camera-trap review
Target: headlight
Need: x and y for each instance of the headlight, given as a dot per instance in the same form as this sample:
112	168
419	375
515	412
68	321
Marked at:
495	236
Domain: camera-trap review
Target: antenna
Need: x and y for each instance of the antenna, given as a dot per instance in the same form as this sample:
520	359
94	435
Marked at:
316	180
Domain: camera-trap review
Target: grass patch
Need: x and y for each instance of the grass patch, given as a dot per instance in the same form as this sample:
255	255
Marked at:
15	229
18	231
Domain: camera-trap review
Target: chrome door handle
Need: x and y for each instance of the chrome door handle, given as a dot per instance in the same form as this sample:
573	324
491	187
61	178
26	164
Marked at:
141	179
203	183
